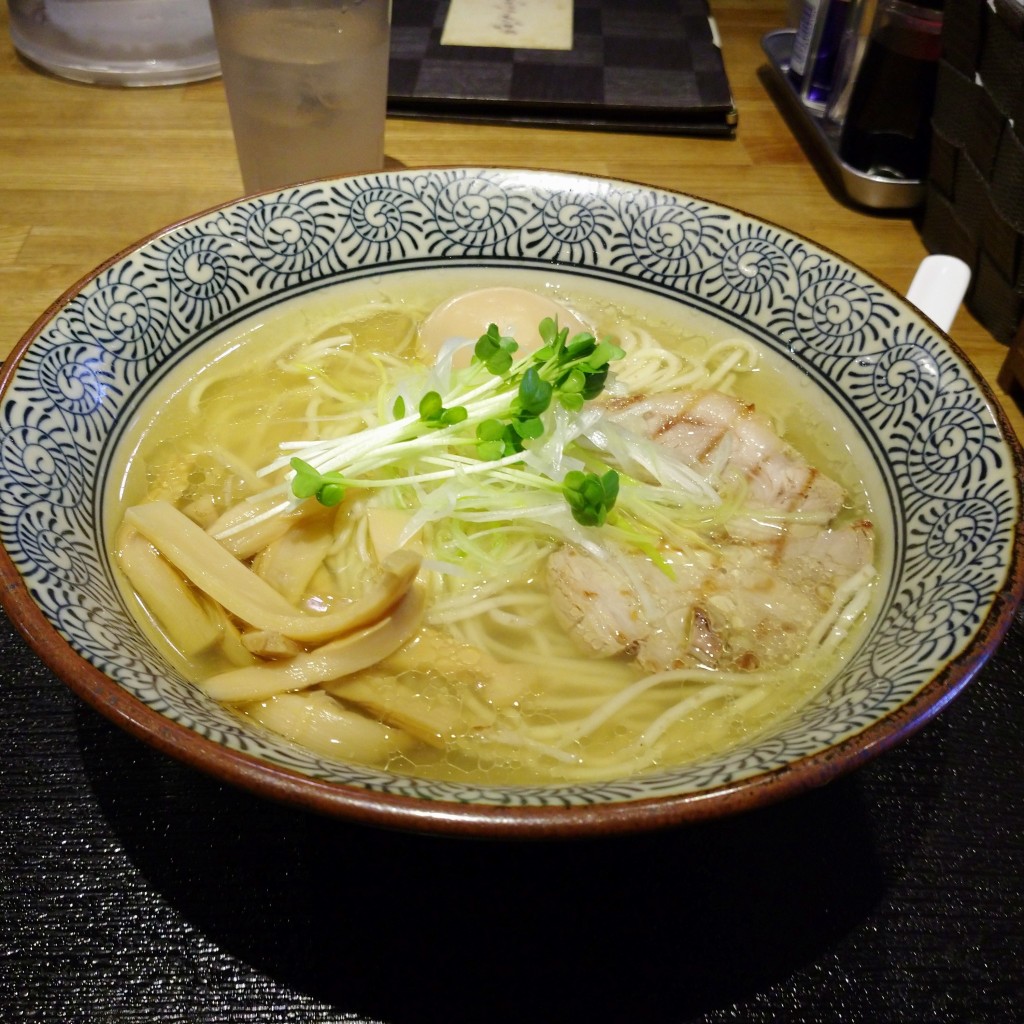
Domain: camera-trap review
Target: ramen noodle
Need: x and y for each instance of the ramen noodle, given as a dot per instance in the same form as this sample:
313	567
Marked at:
617	545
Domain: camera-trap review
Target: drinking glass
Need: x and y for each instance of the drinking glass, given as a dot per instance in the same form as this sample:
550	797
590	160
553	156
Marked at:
306	84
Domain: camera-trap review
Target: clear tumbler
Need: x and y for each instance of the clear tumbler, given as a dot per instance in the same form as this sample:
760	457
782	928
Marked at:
306	84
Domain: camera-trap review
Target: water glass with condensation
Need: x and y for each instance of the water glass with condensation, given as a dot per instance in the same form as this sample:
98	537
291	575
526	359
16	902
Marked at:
306	84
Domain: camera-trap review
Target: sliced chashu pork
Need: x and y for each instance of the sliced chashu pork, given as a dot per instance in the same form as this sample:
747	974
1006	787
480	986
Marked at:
726	438
745	603
742	607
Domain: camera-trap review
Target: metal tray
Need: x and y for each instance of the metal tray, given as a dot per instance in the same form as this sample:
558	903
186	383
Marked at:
866	189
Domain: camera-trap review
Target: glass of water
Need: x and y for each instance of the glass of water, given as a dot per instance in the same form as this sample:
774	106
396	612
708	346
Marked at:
306	84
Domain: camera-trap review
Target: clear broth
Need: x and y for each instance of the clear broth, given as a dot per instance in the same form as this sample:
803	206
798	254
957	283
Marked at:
247	391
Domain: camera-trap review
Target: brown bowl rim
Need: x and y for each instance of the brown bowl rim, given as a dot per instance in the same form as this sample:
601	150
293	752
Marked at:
570	820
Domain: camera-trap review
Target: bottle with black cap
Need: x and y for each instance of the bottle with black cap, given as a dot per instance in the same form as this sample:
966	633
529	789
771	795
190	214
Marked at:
887	129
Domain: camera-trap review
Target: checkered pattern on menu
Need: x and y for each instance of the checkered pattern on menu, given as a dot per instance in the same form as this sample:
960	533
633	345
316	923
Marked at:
652	65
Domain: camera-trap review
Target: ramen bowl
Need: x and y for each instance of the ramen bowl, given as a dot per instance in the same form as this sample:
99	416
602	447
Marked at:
944	467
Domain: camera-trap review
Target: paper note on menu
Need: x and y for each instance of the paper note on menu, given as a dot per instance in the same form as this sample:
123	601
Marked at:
517	24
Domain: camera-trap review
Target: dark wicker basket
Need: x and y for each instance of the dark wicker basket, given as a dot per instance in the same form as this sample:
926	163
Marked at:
974	206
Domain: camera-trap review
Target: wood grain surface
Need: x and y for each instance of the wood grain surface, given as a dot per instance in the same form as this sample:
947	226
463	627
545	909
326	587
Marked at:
86	171
135	890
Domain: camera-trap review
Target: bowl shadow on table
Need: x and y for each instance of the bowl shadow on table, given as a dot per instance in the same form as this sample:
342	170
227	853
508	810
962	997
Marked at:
653	927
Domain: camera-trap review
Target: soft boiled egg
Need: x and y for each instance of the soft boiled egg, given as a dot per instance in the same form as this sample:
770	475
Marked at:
516	311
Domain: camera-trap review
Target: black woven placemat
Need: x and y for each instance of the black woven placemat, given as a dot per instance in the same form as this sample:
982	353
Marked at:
654	66
134	890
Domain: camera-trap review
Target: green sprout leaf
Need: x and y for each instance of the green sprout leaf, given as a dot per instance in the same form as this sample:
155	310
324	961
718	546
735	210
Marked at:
512	439
330	494
456	414
430	406
594	384
327	488
574	382
572	402
574	367
490	430
495	351
490	438
549	332
497	418
490	451
307	480
529	428
591	497
534	393
604	353
434	414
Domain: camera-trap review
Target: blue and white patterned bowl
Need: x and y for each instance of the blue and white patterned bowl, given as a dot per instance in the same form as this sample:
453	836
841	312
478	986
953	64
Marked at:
945	458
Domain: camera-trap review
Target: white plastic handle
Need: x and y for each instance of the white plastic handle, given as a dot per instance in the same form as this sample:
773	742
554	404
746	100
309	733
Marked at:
938	288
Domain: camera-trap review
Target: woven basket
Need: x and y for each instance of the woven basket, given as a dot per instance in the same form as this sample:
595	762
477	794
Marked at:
974	197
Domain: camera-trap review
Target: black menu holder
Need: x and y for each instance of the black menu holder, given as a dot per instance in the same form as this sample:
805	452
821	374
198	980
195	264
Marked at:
634	65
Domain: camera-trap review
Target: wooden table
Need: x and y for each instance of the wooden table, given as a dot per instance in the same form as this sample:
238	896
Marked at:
135	889
86	171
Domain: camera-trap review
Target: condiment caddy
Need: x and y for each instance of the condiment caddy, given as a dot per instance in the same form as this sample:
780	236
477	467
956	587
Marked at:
861	75
863	188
